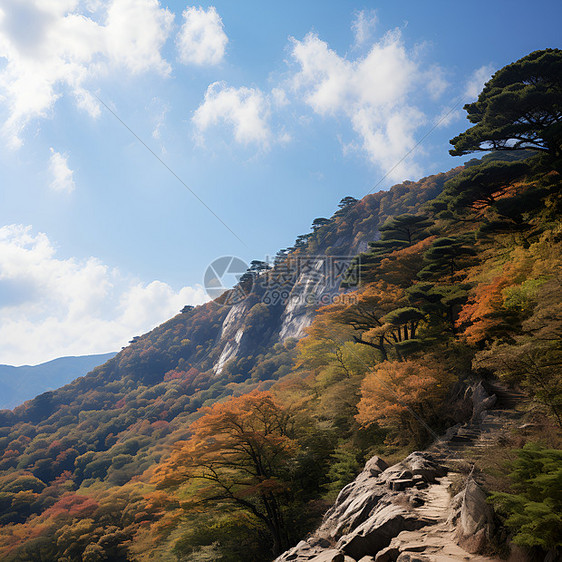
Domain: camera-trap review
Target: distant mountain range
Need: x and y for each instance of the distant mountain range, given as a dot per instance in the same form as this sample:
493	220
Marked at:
18	384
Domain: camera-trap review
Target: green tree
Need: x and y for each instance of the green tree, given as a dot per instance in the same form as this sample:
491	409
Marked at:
345	204
481	186
258	266
520	107
535	512
398	232
446	256
440	304
319	223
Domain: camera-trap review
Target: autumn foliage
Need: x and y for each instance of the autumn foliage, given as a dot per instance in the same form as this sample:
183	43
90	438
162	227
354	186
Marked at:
403	396
241	452
156	455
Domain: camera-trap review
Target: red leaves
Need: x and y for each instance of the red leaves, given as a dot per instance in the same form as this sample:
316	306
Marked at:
72	505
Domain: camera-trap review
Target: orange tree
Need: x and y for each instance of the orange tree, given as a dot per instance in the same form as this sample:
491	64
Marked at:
242	455
405	395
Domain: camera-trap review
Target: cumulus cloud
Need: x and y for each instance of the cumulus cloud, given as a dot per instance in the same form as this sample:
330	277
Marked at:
245	110
57	47
476	82
62	175
374	92
436	82
51	306
201	40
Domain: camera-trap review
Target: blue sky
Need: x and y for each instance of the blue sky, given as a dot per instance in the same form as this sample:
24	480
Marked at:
269	112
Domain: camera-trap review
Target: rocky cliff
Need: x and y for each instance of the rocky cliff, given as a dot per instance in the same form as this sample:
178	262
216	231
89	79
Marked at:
310	276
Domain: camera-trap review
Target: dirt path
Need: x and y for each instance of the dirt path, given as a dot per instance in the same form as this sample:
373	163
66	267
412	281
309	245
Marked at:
436	542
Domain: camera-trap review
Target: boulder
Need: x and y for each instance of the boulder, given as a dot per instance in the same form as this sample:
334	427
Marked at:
400	484
375	465
355	501
474	524
351	513
455	509
377	531
412	557
423	464
388	554
331	555
481	401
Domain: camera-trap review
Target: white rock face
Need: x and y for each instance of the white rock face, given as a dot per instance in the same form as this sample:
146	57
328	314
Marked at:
312	288
231	335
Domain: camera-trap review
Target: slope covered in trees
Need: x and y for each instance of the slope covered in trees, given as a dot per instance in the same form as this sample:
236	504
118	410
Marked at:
159	454
94	438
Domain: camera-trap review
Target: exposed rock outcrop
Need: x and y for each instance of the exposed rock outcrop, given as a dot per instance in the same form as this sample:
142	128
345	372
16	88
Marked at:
482	400
373	509
475	520
294	293
404	513
379	529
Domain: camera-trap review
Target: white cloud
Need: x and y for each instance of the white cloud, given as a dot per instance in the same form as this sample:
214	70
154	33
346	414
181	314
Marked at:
435	81
201	40
476	82
246	110
50	306
279	97
363	26
62	175
158	109
447	116
374	92
55	47
135	32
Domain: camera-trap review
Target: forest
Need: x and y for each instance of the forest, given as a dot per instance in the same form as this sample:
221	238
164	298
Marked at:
157	456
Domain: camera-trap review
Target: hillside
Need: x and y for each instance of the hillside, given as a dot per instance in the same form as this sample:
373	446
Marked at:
18	384
226	432
110	426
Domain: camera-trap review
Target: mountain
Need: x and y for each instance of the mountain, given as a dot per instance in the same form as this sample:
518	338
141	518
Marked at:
116	422
420	286
226	432
18	384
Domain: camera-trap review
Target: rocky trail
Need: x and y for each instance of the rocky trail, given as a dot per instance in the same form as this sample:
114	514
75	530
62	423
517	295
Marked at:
405	513
494	417
437	542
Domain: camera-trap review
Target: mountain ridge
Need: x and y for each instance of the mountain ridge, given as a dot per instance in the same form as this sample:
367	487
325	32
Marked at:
45	376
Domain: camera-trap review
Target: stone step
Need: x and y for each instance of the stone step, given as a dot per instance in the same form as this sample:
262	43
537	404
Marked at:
468	431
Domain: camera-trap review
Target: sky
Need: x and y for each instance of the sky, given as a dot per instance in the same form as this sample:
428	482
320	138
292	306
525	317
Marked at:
141	140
